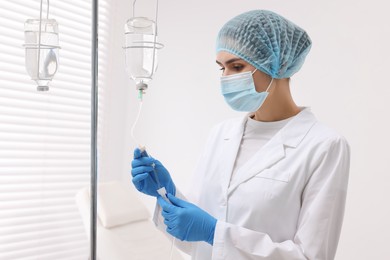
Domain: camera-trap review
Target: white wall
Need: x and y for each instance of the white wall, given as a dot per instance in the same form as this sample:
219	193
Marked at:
344	80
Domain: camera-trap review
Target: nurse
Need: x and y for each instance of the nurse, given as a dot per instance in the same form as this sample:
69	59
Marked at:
269	185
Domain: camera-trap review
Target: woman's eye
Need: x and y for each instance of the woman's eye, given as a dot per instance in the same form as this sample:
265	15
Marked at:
238	67
222	69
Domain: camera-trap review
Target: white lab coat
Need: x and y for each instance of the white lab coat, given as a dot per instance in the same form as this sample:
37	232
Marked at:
287	202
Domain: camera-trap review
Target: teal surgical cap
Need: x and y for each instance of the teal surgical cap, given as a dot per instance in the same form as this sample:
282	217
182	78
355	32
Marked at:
267	41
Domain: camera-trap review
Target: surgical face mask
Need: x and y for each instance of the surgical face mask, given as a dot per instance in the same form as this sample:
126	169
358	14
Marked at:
240	93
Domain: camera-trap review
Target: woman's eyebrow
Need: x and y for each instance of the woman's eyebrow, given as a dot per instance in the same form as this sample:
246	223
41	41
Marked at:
229	61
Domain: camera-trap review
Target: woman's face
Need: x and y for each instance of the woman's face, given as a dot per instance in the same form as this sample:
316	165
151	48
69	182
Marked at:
231	64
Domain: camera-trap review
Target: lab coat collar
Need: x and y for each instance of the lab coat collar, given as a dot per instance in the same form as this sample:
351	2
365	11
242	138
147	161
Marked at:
295	130
289	136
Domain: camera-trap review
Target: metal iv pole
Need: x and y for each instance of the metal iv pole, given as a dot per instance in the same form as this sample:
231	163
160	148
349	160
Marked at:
94	127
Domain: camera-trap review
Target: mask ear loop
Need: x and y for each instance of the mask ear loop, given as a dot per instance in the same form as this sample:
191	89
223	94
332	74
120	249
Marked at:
270	84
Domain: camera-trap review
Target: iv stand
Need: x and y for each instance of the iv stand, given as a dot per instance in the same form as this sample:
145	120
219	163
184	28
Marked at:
94	126
94	122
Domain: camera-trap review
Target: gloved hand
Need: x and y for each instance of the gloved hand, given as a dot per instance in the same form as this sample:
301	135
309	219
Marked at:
186	221
144	179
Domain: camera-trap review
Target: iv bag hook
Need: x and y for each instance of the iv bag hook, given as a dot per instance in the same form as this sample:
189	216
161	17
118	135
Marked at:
134	2
47	9
134	7
40	31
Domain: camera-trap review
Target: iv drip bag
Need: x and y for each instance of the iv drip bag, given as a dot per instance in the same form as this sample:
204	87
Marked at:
141	50
41	50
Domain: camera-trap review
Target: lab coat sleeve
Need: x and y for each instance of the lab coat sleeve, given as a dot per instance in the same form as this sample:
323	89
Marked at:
320	218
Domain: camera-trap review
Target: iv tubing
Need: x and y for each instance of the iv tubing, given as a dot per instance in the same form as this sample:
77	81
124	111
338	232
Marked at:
140	108
140	146
154	171
135	123
172	246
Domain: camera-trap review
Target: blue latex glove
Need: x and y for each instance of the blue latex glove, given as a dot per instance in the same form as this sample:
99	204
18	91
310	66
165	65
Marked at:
144	179
186	221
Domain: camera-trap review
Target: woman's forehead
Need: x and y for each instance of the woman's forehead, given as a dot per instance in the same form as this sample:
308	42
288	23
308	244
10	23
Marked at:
224	57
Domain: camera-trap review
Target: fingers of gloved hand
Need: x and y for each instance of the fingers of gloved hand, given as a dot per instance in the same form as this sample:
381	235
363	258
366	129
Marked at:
170	230
139	185
171	215
167	222
138	153
157	162
166	206
178	202
175	232
143	161
160	166
140	177
140	170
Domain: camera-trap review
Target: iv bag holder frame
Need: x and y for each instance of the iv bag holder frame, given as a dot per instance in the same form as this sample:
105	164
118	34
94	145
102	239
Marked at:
156	45
40	46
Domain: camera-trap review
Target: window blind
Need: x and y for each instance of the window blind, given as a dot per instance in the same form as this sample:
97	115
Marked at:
45	136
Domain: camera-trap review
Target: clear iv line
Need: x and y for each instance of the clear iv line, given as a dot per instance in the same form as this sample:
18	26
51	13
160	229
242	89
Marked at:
172	246
154	170
140	97
139	145
135	122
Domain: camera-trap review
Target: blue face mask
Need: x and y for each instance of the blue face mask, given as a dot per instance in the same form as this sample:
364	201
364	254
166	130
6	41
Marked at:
240	93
